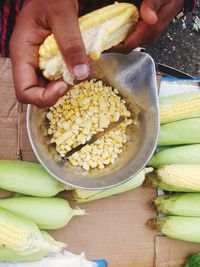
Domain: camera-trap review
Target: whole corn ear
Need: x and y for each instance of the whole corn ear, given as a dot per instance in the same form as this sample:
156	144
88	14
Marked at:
179	107
11	255
28	178
186	204
20	234
177	175
83	196
178	227
180	132
189	154
100	29
47	213
152	180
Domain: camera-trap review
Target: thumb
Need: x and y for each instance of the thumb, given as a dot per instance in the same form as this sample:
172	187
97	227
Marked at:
68	36
149	10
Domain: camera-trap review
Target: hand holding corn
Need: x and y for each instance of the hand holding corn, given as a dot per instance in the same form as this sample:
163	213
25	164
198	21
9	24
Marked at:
36	21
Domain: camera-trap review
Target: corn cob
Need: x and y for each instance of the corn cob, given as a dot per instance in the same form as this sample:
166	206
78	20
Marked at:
20	234
180	132
152	180
189	154
182	228
28	178
11	255
47	213
100	29
83	196
184	176
179	107
187	204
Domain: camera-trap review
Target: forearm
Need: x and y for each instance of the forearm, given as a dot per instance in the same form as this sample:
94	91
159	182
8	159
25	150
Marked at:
9	9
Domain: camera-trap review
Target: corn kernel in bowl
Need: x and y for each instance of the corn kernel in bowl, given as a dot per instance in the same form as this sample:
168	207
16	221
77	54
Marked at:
86	109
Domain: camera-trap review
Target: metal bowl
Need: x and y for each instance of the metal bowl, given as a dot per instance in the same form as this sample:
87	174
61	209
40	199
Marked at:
135	78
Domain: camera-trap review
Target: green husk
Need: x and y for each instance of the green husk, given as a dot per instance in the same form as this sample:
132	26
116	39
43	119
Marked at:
11	255
20	234
47	213
180	98
28	178
180	132
152	180
83	196
187	204
178	227
189	154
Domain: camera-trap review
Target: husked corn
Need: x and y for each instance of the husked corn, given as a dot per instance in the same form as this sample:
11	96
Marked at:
86	109
100	30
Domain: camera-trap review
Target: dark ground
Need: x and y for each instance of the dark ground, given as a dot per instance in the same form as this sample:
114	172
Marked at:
179	46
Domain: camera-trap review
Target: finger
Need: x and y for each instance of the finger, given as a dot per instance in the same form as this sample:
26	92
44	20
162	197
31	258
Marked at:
149	10
67	34
135	39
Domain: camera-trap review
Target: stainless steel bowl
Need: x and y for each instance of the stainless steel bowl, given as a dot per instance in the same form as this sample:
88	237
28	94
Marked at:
135	78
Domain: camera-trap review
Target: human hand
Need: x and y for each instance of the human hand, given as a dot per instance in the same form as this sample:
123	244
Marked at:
36	21
155	18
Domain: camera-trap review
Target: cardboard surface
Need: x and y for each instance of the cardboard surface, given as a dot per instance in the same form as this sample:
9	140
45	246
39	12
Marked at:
115	228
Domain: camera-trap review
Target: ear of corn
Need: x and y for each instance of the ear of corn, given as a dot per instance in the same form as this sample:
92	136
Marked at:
47	213
178	227
28	178
100	29
184	176
153	181
82	196
180	132
180	106
187	204
11	255
189	154
20	234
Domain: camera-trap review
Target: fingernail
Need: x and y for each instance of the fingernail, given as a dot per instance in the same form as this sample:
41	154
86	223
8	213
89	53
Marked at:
81	71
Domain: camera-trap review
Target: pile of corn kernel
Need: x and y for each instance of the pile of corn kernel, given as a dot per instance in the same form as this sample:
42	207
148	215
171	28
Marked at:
86	109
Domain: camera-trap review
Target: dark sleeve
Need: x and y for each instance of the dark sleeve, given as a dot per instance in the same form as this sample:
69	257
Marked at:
9	9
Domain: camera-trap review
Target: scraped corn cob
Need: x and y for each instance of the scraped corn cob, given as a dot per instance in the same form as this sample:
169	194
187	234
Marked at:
184	176
101	29
28	178
86	109
22	235
178	107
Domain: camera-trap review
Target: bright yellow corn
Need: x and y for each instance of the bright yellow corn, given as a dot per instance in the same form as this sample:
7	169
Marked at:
180	176
23	236
178	107
92	106
100	29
